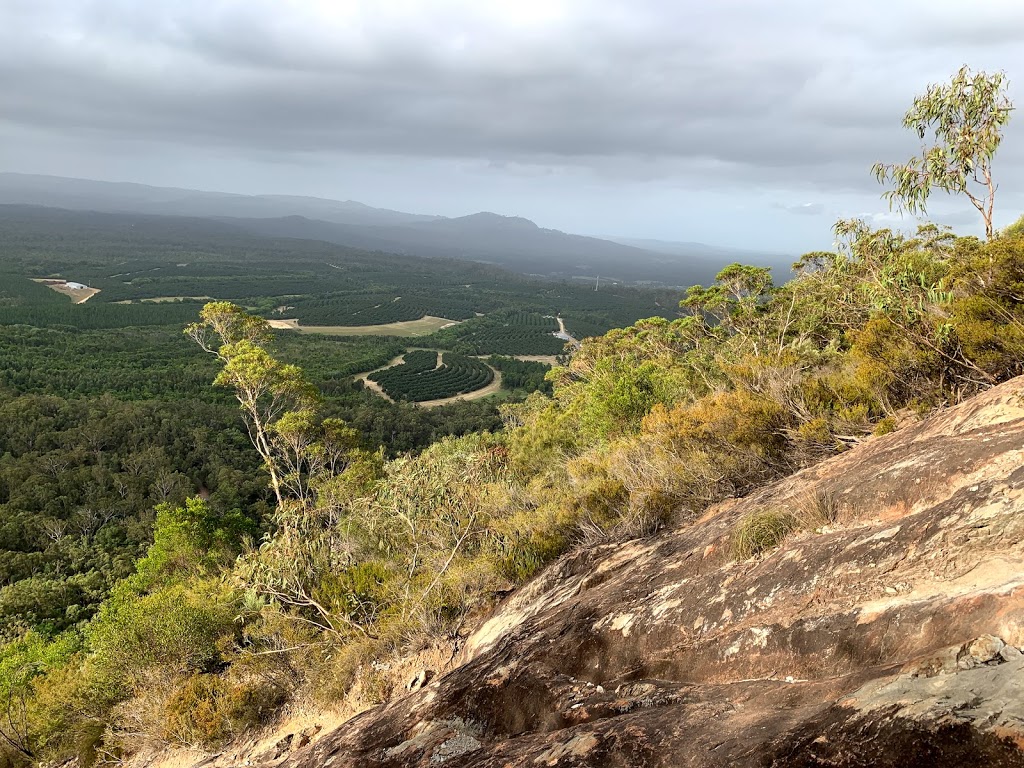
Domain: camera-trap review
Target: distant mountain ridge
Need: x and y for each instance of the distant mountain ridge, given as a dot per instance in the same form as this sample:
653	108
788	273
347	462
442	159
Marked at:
511	242
678	248
129	197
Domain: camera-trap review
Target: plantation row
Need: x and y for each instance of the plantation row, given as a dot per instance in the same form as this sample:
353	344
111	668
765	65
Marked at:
503	333
620	305
420	361
99	316
154	284
417	379
17	290
508	341
531	320
24	302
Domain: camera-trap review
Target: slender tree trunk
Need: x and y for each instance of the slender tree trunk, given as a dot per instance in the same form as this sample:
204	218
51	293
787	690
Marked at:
987	214
259	440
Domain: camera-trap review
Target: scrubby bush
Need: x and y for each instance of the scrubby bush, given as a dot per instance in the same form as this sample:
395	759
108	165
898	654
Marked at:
29	723
207	709
177	627
762	531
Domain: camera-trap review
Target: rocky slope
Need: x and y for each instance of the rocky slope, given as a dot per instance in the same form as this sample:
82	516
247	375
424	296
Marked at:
888	638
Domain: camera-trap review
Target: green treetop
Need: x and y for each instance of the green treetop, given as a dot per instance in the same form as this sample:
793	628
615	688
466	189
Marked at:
965	119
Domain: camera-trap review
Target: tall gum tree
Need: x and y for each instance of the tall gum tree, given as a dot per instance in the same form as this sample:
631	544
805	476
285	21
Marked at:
964	120
266	389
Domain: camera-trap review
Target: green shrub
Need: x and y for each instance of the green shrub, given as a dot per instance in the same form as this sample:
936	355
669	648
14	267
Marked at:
885	426
208	709
191	540
33	723
177	628
337	671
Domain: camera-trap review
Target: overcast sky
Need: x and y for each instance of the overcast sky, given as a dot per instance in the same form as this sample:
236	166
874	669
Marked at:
735	122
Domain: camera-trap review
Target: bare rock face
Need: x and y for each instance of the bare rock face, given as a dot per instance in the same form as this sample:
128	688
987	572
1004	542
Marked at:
890	638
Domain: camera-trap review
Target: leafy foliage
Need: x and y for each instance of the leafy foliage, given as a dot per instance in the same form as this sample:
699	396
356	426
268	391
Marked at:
966	117
78	482
522	375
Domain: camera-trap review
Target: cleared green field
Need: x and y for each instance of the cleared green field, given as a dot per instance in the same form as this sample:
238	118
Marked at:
409	328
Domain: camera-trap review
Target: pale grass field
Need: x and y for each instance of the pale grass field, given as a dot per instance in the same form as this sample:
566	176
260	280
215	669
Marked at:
409	328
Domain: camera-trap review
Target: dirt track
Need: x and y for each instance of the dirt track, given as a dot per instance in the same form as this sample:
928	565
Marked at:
373	385
406	328
568	336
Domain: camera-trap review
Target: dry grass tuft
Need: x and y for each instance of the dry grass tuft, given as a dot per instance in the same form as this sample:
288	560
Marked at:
762	531
817	509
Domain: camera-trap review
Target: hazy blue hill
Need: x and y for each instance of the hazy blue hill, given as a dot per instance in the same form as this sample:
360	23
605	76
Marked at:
483	221
780	262
511	242
86	194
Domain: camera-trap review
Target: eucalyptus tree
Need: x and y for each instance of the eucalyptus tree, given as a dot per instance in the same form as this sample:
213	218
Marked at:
964	120
269	392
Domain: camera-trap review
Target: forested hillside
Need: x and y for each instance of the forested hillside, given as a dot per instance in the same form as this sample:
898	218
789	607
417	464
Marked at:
363	558
181	561
108	410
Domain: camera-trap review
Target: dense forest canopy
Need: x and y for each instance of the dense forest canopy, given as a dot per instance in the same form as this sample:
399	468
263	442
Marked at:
177	560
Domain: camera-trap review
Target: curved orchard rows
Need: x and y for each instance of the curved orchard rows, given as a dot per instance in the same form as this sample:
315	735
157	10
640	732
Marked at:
511	340
508	333
420	378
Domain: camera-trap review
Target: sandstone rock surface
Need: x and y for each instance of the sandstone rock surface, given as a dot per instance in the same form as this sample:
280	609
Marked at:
889	638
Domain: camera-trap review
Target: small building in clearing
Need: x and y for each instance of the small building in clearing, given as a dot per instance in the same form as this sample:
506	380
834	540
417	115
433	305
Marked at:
76	286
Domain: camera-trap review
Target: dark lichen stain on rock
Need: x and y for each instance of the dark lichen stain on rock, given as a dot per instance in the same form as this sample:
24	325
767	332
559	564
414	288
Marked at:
890	638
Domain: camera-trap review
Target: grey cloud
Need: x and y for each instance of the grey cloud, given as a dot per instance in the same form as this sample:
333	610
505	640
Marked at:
924	25
790	93
802	209
957	219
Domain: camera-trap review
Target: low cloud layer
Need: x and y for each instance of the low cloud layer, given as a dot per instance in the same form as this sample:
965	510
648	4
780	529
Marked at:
739	97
